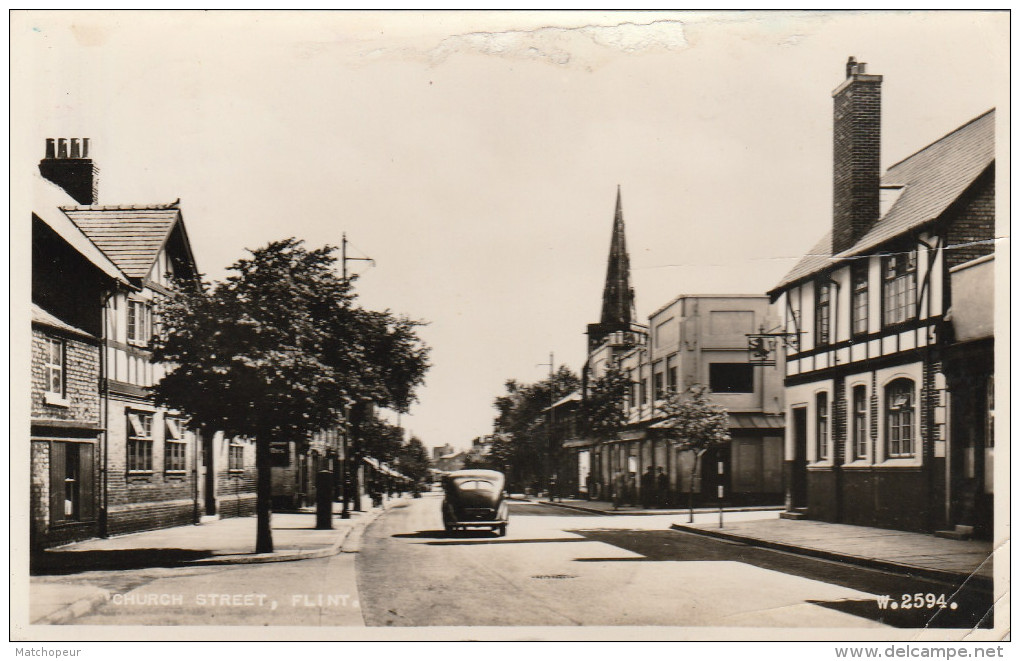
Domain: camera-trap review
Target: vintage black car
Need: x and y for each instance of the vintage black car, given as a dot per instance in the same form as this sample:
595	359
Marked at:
475	499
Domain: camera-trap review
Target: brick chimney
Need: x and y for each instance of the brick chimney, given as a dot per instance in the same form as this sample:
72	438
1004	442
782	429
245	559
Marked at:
74	171
856	175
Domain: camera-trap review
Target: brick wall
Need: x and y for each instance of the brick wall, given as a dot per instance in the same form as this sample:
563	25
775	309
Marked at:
146	501
235	490
40	490
856	171
81	361
975	222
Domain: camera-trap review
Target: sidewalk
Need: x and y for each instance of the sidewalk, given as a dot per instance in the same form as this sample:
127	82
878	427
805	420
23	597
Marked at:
217	542
603	507
901	552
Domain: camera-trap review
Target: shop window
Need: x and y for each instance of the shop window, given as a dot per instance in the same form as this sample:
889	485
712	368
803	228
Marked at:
899	418
990	413
71	482
731	377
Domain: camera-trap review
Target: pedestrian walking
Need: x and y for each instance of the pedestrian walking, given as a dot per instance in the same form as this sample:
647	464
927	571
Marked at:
662	488
648	488
619	488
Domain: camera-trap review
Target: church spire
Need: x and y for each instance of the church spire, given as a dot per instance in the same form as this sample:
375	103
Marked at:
618	297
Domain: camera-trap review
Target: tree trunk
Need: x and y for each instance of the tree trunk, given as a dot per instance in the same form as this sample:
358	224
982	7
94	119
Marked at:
359	414
690	493
263	495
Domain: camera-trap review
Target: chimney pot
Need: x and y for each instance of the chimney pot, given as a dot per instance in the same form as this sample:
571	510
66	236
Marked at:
77	175
851	64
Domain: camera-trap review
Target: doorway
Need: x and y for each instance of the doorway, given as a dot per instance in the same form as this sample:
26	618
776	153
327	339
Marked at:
798	473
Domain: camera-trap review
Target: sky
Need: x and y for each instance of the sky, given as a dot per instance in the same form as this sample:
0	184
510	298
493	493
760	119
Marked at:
475	157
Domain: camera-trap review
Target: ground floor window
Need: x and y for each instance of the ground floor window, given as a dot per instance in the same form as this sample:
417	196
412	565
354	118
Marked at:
899	418
235	459
860	422
139	442
822	426
175	448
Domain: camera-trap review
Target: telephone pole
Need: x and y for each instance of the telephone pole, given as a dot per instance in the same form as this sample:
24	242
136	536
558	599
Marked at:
552	482
347	477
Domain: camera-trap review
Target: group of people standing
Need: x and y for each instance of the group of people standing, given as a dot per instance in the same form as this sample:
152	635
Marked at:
653	492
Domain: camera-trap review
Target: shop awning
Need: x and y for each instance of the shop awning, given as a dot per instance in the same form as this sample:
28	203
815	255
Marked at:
742	421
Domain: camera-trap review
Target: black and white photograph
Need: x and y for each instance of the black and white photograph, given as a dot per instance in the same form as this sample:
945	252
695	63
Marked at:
510	325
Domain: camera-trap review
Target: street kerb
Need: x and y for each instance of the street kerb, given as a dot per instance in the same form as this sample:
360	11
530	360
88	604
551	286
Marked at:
974	580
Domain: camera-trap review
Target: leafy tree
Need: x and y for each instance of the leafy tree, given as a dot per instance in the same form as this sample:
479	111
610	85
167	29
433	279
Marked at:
522	417
692	422
413	461
604	408
381	440
279	350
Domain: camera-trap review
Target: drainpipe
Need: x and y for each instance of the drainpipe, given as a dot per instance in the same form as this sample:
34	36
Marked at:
928	453
104	404
837	457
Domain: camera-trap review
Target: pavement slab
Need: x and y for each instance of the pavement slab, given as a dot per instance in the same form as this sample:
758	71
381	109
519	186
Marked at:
926	554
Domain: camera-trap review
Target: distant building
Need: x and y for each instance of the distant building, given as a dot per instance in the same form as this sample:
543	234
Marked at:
442	451
693	340
889	392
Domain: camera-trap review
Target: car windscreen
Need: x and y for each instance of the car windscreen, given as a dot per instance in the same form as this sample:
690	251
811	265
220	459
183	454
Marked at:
474	484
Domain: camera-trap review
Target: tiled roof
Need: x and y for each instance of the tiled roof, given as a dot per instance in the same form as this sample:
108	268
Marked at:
47	201
131	236
40	316
932	179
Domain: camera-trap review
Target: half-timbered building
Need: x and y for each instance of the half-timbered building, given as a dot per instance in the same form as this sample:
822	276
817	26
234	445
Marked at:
872	311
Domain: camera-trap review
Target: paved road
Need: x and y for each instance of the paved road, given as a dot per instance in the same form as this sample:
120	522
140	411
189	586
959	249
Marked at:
567	568
554	567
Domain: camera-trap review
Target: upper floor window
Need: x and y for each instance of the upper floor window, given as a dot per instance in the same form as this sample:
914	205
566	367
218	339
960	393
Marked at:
823	307
659	386
53	367
632	394
731	377
139	328
899	418
644	391
859	302
899	287
822	425
671	381
139	442
859	430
